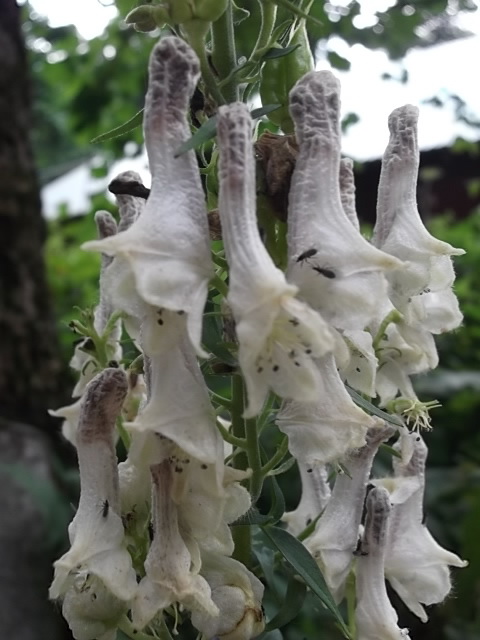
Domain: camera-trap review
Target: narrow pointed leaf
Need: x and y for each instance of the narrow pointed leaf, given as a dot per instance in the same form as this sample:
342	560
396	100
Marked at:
299	558
280	52
208	129
131	124
294	598
372	409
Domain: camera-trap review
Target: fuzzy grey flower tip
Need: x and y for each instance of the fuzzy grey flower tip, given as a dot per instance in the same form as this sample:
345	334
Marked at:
315	105
106	224
376	522
234	133
402	124
173	74
102	404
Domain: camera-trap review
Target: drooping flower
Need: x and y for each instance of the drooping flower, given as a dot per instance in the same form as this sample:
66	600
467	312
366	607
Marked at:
314	498
337	270
238	595
172	563
279	336
399	229
167	247
95	576
83	360
323	431
415	564
375	617
336	535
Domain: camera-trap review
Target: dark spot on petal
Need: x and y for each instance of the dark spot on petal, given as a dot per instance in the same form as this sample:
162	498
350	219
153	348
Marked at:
160	321
309	470
204	466
358	369
275	367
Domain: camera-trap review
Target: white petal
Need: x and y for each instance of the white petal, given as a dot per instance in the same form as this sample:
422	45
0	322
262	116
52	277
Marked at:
362	367
278	335
315	495
324	431
341	277
336	534
167	247
375	617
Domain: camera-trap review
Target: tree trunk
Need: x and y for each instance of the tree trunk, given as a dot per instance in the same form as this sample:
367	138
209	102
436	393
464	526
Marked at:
30	365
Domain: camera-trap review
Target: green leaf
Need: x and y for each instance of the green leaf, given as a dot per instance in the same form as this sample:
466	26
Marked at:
203	134
280	52
208	129
131	124
282	468
338	62
294	598
253	516
372	409
277	505
299	558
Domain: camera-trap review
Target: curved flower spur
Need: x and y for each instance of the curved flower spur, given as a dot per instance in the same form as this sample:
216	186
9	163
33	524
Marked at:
337	270
168	246
279	336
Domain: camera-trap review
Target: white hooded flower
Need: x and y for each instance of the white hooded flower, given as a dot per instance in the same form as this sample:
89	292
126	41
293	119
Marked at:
375	617
172	565
337	270
336	535
399	229
278	335
238	596
83	360
415	564
325	430
167	247
178	406
97	561
314	498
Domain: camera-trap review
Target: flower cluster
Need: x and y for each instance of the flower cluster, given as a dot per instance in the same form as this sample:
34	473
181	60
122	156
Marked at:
152	536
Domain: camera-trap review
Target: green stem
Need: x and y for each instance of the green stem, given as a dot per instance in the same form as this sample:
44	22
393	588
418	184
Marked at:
276	458
224	54
219	285
254	459
196	38
225	402
241	534
393	316
350	593
268	12
231	439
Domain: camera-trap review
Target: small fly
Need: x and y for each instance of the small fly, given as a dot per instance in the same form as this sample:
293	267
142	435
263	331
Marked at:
309	253
105	508
327	273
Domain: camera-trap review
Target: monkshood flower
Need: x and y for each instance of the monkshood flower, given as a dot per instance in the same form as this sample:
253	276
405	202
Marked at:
238	596
375	617
337	270
415	564
178	406
399	229
323	431
95	577
336	535
83	360
167	247
172	563
315	495
278	335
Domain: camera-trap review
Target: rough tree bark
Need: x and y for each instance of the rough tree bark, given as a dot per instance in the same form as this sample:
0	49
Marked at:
30	367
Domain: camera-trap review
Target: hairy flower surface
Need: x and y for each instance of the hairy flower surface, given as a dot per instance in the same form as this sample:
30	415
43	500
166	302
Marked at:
171	569
415	564
97	561
337	270
315	495
375	617
399	229
238	596
278	335
336	535
167	247
323	431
